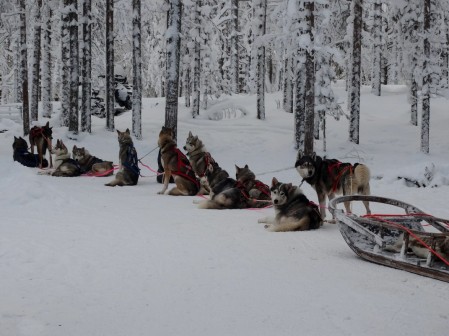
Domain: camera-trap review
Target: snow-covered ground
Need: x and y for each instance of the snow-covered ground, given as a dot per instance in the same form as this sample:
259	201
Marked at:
78	258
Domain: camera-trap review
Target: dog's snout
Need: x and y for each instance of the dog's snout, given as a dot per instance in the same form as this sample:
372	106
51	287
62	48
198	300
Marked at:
275	201
185	148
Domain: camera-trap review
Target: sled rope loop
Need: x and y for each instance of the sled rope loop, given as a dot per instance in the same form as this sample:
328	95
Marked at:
409	231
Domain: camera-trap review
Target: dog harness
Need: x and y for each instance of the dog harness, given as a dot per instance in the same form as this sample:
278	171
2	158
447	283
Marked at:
184	162
131	160
208	160
333	168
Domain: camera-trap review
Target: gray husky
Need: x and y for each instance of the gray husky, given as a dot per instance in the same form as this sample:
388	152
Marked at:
90	164
64	165
129	171
200	160
330	177
293	211
258	192
441	246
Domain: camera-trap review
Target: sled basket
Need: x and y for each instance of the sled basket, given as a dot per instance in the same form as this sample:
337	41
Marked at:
371	237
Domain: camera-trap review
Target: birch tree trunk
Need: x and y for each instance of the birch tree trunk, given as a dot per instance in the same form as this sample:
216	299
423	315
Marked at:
110	87
36	63
86	70
46	63
172	74
74	68
137	71
425	117
24	68
354	119
310	81
377	48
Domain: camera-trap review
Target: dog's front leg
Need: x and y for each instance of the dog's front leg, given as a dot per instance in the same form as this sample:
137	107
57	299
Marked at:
167	175
322	202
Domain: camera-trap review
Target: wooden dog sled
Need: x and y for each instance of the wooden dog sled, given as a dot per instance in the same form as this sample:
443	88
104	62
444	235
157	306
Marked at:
371	236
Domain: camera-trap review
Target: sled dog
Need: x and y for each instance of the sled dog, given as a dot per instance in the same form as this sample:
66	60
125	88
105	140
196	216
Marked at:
199	159
330	177
258	193
225	192
90	164
41	138
129	172
293	211
441	246
176	164
64	165
23	156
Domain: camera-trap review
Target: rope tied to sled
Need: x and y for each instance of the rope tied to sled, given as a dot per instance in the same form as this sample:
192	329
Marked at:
409	231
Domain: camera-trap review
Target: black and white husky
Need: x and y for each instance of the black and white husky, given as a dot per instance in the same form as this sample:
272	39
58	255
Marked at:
293	211
64	165
330	177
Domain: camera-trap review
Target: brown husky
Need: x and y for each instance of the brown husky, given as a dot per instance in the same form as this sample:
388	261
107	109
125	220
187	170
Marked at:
90	164
257	192
176	163
41	138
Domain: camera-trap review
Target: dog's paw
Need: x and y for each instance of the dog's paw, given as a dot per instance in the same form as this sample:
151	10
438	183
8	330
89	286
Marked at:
161	192
330	221
261	220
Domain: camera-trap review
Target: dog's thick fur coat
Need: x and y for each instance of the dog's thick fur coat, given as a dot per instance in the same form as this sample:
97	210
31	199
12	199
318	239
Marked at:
176	164
41	138
330	177
128	174
90	164
441	246
64	165
257	192
293	210
23	156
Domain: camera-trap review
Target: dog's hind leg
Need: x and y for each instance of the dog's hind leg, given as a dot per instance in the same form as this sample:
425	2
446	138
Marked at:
289	224
268	220
365	190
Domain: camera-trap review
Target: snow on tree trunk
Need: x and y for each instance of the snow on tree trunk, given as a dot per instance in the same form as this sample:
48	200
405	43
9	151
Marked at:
425	91
46	63
137	71
86	66
376	33
110	87
288	85
172	73
24	68
300	103
234	46
17	94
36	61
310	80
65	70
354	120
196	62
188	87
260	16
414	103
74	67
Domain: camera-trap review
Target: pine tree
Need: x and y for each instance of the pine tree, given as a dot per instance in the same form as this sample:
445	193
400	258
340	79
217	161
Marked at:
172	75
354	121
24	68
110	79
137	71
36	61
86	65
47	61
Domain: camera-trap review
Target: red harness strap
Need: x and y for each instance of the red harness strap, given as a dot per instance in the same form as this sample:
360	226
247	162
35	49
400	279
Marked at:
207	160
335	167
263	188
183	162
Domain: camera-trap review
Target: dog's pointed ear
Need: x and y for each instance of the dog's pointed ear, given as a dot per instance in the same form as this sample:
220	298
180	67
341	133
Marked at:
313	156
195	138
74	148
299	155
274	181
237	168
246	166
47	124
190	134
118	132
289	187
127	131
15	138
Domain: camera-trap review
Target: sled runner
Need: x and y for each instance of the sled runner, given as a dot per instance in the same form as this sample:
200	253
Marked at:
415	241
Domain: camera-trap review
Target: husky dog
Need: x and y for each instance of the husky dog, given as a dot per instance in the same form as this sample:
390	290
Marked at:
41	138
176	163
226	193
293	211
64	165
199	159
258	192
90	164
21	154
441	246
128	174
330	177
